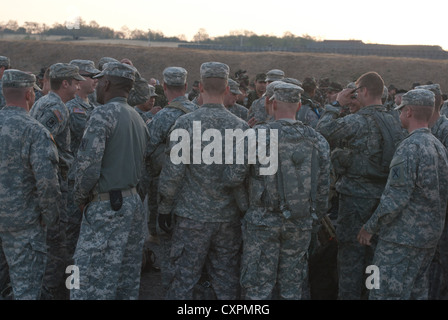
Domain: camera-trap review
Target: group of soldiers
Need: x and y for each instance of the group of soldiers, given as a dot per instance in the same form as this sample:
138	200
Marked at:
83	152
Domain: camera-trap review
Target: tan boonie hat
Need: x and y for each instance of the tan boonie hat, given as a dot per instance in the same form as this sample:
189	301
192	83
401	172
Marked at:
175	76
65	71
287	92
13	78
85	66
118	69
234	86
214	70
417	97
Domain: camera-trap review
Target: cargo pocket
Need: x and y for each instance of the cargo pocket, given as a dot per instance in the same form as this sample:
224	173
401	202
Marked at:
91	262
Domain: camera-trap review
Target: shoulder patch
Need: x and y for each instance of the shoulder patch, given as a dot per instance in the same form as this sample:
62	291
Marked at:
79	110
58	115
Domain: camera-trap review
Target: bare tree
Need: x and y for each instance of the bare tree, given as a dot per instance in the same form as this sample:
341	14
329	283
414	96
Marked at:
201	35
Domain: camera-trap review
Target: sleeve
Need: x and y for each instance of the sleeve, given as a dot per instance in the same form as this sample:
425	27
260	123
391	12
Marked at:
323	177
90	154
398	191
44	163
54	120
335	130
171	175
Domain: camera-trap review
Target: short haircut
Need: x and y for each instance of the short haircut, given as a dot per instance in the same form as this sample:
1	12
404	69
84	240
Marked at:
55	84
422	113
14	94
120	83
215	86
373	82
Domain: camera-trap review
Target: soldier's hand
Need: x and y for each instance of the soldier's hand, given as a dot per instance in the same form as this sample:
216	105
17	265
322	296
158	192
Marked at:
251	122
165	223
344	97
364	237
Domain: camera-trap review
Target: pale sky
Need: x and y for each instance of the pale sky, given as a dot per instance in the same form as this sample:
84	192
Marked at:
373	21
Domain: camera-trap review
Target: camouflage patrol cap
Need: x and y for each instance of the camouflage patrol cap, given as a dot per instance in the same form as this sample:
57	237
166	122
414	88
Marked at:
4	62
260	77
274	74
86	66
13	78
270	87
351	85
417	97
139	93
214	70
435	87
175	76
118	69
65	71
287	92
105	60
152	91
293	81
234	87
335	86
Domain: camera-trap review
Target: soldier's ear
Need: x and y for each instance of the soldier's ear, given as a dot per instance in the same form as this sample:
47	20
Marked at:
299	105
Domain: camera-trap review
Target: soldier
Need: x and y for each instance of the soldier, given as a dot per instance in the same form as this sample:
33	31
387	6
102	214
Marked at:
310	111
108	167
101	63
207	230
369	137
52	112
438	274
29	186
147	110
260	89
230	101
194	91
278	223
80	108
175	86
4	65
411	215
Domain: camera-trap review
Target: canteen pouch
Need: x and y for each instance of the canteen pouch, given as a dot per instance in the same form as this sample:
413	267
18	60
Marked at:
116	199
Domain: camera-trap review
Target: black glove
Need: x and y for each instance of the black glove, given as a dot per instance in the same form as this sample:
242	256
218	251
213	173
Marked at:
165	223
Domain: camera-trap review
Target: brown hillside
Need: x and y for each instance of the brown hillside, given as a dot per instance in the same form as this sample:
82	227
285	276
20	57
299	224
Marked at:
150	61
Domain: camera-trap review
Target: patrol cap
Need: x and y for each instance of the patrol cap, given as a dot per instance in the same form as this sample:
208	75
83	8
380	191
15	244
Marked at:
175	76
139	93
417	97
152	91
275	74
105	60
435	87
293	81
260	77
270	87
65	71
351	85
335	86
287	92
118	69
234	87
86	66
4	62
214	70
13	78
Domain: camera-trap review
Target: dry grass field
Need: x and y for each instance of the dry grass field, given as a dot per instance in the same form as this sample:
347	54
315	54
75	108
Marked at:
31	55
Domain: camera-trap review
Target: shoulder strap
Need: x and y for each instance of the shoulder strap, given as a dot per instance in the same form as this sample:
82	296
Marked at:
179	106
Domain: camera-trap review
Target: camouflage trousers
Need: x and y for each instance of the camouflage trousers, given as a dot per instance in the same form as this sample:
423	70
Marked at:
109	251
274	256
25	252
213	245
353	258
73	225
53	287
438	272
403	272
4	270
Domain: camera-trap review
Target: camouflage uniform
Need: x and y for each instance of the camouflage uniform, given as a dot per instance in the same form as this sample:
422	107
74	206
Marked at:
110	244
410	217
159	129
51	111
310	112
275	250
79	110
207	231
29	191
237	109
359	187
258	110
4	62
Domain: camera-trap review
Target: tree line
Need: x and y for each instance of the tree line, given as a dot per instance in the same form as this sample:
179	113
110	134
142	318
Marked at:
79	29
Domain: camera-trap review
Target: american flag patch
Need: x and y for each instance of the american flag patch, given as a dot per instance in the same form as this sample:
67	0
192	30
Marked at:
78	110
58	115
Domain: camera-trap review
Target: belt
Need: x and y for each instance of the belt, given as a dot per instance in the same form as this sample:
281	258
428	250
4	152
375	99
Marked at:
105	196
